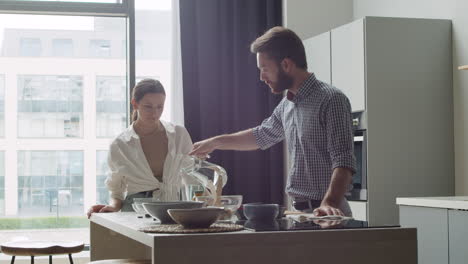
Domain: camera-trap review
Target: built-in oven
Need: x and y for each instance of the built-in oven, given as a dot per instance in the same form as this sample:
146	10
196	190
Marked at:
358	191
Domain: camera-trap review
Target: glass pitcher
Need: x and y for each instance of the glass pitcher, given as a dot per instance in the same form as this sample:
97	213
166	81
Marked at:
203	178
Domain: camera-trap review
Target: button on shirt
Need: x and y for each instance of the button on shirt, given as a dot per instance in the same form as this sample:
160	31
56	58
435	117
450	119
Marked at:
317	126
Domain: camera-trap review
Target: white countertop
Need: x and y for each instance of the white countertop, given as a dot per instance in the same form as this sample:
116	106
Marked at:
450	202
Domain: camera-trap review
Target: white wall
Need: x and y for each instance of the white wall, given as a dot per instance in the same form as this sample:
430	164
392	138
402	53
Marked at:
311	17
457	10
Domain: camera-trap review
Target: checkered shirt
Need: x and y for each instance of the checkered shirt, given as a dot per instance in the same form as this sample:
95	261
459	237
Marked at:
317	126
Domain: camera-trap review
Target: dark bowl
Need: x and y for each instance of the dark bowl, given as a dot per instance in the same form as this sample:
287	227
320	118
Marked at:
159	209
261	212
263	225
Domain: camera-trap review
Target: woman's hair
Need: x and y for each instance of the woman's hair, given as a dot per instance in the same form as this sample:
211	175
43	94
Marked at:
142	88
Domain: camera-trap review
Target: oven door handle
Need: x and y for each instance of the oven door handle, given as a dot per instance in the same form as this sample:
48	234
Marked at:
358	138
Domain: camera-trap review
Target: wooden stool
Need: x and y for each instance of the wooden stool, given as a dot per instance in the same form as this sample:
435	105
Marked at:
122	261
41	248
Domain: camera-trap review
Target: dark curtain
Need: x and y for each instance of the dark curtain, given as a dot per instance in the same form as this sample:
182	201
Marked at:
222	90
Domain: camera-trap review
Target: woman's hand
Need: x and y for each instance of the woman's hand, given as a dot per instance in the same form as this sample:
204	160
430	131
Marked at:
101	208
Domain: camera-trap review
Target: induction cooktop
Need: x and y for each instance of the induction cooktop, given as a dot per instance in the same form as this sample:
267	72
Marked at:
287	224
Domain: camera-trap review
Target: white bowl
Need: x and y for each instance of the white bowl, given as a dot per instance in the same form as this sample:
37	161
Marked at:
197	217
159	209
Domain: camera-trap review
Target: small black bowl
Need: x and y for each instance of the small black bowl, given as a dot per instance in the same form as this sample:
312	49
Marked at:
264	225
261	212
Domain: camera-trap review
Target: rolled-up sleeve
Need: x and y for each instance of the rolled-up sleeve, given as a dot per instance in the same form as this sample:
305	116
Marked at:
116	181
271	130
340	132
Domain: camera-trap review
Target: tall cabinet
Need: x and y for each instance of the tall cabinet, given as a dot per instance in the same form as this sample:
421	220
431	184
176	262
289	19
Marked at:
398	72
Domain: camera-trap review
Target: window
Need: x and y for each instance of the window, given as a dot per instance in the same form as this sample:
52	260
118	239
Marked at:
111	105
2	182
139	52
50	181
50	106
102	1
2	106
62	114
62	47
30	47
49	150
102	194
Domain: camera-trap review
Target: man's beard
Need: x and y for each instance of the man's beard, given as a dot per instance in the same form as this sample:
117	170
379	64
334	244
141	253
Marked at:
284	82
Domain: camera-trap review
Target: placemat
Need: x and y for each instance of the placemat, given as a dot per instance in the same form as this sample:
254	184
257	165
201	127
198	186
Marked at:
179	229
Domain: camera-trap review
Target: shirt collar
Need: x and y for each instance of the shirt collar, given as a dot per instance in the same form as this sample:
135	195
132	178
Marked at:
130	132
304	91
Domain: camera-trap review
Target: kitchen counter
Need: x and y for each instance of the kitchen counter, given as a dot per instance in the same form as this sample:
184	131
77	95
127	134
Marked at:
449	202
116	235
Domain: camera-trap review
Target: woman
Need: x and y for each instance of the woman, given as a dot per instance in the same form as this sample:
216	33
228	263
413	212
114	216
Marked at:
145	159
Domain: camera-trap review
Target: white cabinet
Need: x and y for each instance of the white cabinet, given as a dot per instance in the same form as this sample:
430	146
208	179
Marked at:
337	57
318	56
348	72
359	210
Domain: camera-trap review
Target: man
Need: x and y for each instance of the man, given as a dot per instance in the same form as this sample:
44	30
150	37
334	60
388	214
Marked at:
315	120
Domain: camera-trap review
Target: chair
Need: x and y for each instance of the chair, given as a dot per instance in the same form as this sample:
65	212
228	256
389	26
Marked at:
41	248
122	261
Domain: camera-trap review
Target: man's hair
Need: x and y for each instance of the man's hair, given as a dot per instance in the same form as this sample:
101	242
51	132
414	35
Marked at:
280	43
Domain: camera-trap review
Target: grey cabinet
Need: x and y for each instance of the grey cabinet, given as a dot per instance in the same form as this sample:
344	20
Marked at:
431	224
442	233
458	236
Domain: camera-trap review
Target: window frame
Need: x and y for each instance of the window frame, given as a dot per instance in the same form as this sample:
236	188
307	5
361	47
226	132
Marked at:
123	9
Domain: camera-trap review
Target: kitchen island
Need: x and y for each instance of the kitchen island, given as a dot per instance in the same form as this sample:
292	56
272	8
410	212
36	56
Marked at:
441	224
117	235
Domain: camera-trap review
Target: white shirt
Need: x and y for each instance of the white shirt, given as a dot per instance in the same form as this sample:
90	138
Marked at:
130	172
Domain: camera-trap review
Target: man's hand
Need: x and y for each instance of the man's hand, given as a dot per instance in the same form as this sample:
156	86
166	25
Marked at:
329	223
339	183
327	210
203	148
101	208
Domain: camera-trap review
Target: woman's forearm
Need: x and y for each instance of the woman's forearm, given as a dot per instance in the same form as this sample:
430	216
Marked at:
116	203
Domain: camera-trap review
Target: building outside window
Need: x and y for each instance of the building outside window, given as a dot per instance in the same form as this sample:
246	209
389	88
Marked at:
50	106
99	48
50	181
30	47
2	182
2	106
111	105
62	47
102	194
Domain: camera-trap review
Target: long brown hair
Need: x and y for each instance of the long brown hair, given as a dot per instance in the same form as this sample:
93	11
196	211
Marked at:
143	87
280	43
